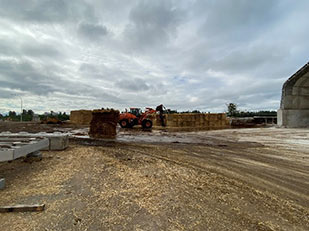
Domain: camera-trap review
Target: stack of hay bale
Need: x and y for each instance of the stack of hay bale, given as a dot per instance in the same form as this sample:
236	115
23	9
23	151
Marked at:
195	121
81	117
155	118
103	124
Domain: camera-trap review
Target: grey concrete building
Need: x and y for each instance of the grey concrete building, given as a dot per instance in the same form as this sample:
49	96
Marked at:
294	108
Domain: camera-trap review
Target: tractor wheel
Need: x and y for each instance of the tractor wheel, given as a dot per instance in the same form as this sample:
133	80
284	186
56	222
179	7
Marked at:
147	124
124	123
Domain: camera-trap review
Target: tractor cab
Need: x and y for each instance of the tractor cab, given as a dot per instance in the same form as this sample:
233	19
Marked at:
135	111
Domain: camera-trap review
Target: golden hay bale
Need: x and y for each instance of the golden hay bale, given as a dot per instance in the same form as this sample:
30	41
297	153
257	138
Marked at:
169	117
158	120
103	123
81	117
212	116
172	124
212	123
219	116
204	121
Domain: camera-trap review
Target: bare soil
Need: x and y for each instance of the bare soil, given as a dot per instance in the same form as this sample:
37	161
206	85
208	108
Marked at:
35	127
238	179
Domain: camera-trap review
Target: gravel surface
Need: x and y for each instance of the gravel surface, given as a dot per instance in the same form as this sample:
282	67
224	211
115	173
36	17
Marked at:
244	179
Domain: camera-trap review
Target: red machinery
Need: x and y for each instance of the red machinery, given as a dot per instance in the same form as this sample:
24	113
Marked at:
136	117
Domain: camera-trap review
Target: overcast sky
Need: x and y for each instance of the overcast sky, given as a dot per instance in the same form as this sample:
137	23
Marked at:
193	54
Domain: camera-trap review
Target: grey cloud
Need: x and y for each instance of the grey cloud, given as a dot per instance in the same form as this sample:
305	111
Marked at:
40	50
92	31
7	48
237	20
6	93
250	59
25	77
245	93
88	53
100	72
28	46
44	11
135	85
247	37
153	24
88	68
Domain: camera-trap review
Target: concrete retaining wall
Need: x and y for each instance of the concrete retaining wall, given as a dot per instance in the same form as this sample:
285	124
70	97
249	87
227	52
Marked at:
294	108
293	118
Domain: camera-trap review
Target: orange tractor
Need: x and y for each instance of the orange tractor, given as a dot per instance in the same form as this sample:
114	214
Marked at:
136	117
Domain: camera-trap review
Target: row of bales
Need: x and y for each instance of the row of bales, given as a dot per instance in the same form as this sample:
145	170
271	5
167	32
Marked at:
192	121
177	121
195	121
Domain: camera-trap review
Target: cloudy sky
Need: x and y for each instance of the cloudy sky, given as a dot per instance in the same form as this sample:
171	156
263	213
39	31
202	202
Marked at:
187	54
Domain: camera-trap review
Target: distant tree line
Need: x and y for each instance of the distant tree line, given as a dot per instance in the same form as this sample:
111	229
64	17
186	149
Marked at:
169	111
29	115
60	116
232	111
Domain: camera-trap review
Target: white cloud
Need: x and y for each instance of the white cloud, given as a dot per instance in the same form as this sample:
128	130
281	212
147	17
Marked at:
201	54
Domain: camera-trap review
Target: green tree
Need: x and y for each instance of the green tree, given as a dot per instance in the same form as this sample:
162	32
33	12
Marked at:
232	109
12	114
27	115
30	112
63	116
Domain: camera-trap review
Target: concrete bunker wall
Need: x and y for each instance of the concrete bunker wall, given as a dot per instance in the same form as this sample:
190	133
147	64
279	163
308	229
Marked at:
294	108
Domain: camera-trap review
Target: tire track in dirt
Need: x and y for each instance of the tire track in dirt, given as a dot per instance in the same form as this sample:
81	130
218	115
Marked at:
247	183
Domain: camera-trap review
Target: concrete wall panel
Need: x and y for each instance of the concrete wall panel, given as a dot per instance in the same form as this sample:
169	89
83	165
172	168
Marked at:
293	118
294	109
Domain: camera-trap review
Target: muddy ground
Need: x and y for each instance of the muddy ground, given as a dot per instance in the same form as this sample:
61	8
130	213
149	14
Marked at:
238	179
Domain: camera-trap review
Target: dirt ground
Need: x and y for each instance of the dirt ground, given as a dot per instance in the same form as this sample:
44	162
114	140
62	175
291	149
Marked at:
237	179
34	127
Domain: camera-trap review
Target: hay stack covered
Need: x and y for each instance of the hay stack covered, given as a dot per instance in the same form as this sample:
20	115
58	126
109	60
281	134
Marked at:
103	124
